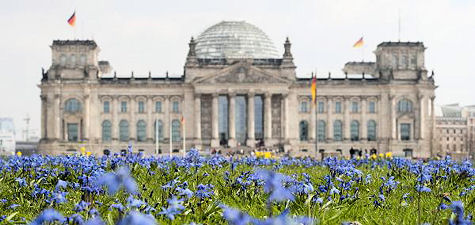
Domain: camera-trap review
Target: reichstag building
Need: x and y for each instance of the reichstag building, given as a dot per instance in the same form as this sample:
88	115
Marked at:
238	92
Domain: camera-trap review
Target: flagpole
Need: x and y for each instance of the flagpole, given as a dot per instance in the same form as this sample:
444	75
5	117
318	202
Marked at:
170	135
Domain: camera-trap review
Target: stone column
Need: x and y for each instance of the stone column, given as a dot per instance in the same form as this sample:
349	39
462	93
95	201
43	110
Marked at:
347	122
313	121
214	123
422	116
133	123
251	139
267	118
57	116
86	114
286	117
197	117
115	123
44	116
150	120
329	119
232	120
364	131
392	99
166	120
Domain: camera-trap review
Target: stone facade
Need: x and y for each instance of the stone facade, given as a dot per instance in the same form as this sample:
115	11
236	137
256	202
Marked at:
455	131
389	108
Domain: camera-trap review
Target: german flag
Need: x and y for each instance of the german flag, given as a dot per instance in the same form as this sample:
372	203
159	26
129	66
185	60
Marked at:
314	89
359	43
72	19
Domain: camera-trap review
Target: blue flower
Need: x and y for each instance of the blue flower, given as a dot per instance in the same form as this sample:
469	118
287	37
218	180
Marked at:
61	184
48	215
273	185
95	221
423	189
457	208
114	181
174	207
136	218
21	182
235	217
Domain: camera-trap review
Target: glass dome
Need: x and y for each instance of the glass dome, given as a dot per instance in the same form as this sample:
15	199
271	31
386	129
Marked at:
234	39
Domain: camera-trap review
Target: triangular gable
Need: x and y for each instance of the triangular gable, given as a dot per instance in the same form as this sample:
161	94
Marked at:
241	73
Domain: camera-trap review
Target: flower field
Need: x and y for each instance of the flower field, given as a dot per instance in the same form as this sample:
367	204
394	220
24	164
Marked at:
132	189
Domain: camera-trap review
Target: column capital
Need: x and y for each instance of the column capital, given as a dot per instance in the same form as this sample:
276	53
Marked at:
285	95
251	94
197	95
267	94
420	96
232	94
215	95
391	97
56	96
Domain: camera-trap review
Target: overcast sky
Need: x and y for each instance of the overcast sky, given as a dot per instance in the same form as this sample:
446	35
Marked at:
153	35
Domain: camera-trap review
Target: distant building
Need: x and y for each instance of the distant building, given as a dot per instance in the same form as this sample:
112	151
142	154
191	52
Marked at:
7	136
237	91
455	131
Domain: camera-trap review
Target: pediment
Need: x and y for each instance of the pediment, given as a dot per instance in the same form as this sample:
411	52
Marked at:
242	74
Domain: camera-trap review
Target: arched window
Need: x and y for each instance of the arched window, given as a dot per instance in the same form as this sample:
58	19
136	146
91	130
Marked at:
303	128
141	130
337	130
124	130
321	128
355	130
371	130
404	105
72	105
106	130
176	130
160	130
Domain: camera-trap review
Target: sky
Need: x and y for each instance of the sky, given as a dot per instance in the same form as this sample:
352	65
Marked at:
153	35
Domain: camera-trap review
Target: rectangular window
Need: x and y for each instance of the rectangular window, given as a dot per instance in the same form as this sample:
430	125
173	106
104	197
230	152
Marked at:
321	107
123	107
303	106
175	107
141	107
106	107
337	107
73	132
354	107
372	107
405	131
158	107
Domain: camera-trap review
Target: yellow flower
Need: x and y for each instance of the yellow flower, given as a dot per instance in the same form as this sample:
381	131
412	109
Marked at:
18	153
267	155
374	156
88	153
83	150
357	157
389	154
381	155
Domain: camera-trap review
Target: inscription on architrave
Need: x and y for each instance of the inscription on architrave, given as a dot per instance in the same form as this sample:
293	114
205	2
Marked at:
276	116
206	112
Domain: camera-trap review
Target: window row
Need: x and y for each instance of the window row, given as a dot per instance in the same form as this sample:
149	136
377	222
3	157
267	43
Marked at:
141	128
355	107
141	107
338	130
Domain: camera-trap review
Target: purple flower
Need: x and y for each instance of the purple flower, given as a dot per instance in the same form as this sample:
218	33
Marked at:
273	185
